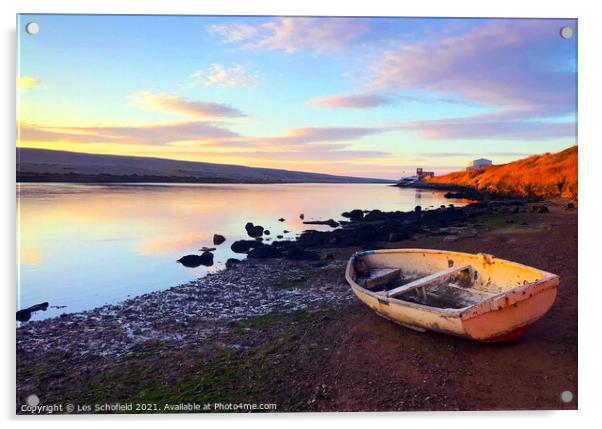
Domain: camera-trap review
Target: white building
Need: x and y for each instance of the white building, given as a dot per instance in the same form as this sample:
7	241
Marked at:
478	163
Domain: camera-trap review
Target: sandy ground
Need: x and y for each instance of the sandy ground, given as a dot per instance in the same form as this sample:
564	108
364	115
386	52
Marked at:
329	355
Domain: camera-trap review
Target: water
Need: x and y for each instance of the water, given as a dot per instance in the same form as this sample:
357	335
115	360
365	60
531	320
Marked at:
82	246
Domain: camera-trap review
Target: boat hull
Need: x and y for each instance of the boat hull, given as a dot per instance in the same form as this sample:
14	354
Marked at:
502	318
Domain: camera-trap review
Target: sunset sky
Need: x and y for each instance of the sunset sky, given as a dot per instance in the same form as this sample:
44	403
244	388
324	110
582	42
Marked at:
373	97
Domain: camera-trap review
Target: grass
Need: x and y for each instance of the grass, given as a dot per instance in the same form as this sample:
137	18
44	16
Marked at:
547	175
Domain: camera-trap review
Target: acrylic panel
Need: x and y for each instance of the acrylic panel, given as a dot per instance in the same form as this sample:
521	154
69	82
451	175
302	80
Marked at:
214	211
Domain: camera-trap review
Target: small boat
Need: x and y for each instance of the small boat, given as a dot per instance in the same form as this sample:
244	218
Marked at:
479	297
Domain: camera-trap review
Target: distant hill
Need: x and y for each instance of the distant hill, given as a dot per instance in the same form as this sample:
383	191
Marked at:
547	175
40	165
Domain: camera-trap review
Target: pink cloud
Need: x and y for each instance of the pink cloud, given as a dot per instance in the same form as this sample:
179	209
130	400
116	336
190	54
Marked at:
176	104
150	134
294	34
507	64
353	101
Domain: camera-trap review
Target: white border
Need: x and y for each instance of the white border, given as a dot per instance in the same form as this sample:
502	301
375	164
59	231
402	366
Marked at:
589	205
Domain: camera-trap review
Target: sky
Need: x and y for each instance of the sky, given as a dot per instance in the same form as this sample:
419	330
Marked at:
372	97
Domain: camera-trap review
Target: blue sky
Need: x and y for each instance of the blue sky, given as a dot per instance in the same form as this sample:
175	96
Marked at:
357	96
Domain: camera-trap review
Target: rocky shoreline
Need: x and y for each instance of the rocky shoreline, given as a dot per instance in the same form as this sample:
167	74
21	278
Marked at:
238	317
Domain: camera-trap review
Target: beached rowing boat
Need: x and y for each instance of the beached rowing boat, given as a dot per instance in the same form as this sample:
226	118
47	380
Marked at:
474	296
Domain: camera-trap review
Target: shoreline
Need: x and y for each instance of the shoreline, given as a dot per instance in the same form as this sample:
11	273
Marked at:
238	318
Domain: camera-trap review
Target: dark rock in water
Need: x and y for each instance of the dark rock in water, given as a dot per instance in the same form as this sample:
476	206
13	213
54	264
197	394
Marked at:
301	216
254	230
354	215
398	236
264	251
207	249
232	261
454	195
417	209
193	261
539	209
375	215
281	219
218	239
330	222
25	314
243	246
298	254
280	236
266	232
285	231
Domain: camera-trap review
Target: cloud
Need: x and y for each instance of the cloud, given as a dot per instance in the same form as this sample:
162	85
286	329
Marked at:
295	34
233	32
149	134
507	64
26	82
324	134
487	127
353	101
225	77
180	105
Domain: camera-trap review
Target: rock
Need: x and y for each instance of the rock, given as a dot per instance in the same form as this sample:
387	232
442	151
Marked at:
417	209
454	195
280	236
301	216
264	251
281	219
354	215
232	261
243	246
266	232
218	239
285	231
539	209
298	254
375	215
207	249
193	261
330	222
254	230
398	236
25	314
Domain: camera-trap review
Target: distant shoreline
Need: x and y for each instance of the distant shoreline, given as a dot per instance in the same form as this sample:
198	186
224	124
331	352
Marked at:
53	178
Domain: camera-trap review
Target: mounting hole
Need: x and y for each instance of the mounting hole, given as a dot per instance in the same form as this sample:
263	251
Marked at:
33	400
566	396
566	32
32	28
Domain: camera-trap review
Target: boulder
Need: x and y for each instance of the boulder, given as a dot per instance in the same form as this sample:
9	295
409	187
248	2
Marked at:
281	219
264	251
243	246
25	314
254	230
193	261
330	222
354	215
266	232
218	239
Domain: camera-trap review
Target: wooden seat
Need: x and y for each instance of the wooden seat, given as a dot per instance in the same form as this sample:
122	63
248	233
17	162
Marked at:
426	281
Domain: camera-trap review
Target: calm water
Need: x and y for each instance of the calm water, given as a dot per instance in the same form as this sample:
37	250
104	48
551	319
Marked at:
82	246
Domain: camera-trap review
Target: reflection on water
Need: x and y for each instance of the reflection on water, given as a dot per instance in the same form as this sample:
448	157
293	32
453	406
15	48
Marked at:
82	246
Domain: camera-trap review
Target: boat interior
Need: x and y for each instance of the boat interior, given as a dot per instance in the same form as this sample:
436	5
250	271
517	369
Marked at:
440	283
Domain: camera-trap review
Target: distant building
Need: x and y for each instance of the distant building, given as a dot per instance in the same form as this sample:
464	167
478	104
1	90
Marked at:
421	174
478	163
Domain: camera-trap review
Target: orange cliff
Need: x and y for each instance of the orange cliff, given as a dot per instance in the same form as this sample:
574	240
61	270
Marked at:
547	175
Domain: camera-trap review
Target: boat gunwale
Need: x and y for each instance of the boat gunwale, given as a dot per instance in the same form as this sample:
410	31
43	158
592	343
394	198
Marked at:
548	279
